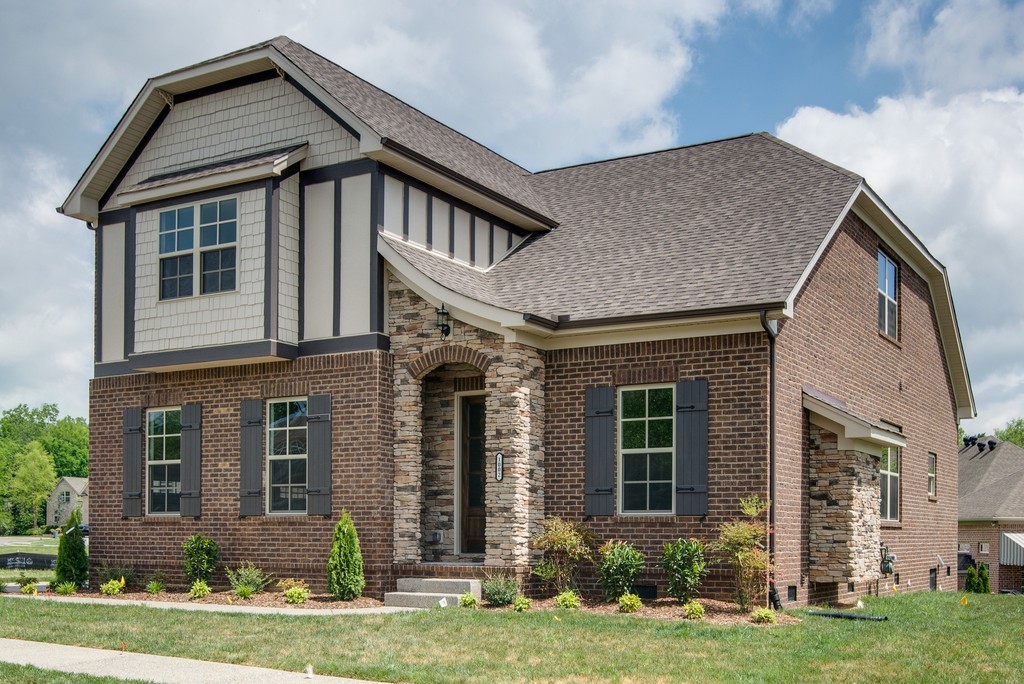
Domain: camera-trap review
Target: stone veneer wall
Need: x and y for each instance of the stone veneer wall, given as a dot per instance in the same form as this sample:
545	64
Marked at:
514	384
844	512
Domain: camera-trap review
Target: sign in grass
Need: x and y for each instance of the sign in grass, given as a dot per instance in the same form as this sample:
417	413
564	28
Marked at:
27	561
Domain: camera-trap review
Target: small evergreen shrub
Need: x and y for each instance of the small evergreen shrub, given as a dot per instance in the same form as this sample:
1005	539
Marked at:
684	563
566	546
984	587
248	578
112	587
694	610
65	588
296	594
72	561
629	603
154	587
500	589
345	566
521	604
128	573
763	616
467	600
619	567
200	555
199	589
568	599
971	585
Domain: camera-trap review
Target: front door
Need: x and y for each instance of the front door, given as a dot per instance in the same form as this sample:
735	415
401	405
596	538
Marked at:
472	474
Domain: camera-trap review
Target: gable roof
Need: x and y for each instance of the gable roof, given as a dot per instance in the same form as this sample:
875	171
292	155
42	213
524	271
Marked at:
991	484
78	484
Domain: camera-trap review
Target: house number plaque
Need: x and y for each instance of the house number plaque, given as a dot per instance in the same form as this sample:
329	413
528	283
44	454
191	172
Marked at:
499	466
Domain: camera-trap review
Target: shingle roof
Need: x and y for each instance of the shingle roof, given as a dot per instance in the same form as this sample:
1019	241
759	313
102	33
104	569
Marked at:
79	484
991	484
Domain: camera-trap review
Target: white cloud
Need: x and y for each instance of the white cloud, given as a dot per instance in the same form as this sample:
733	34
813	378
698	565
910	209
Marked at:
805	12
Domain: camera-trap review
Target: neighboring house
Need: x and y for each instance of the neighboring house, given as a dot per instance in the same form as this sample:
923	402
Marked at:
992	510
69	493
311	297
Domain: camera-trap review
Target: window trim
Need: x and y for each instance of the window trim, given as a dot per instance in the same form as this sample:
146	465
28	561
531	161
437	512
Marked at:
269	458
933	472
63	497
197	251
620	452
884	328
891	476
148	464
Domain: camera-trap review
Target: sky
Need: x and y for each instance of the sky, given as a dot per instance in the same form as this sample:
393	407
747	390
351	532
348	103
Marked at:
924	98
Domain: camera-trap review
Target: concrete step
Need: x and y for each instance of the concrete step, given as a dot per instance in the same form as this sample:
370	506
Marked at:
432	585
415	599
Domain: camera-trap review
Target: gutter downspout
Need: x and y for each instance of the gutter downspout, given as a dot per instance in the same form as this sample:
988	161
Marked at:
771	328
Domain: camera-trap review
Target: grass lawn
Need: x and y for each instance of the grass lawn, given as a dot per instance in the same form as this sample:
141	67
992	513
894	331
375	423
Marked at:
929	637
45	545
26	674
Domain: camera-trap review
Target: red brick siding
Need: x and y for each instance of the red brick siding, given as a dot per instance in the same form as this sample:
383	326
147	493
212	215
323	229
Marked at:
976	533
360	385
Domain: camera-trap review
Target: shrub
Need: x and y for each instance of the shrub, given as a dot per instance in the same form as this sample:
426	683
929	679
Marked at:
154	587
619	567
971	583
127	573
248	578
740	543
72	561
112	587
467	600
984	587
26	580
521	604
684	563
500	589
199	589
694	610
345	566
200	554
566	546
763	616
296	594
568	599
65	588
290	582
30	589
629	603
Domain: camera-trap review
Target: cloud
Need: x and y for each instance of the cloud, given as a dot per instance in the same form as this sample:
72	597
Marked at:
805	12
952	169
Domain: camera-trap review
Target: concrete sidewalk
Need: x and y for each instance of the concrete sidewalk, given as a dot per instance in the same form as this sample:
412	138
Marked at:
153	668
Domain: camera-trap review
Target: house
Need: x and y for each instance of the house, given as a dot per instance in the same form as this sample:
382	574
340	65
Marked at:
311	296
991	517
68	494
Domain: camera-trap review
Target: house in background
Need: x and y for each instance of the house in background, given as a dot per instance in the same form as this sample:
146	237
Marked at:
991	518
311	297
69	493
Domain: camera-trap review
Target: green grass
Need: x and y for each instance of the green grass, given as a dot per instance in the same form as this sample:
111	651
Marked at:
26	674
929	637
44	545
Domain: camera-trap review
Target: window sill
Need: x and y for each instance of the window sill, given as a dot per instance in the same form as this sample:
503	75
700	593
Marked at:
892	525
933	498
891	340
196	296
163	518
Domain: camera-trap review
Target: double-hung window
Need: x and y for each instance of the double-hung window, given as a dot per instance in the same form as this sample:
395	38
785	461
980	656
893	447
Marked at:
647	449
286	455
217	225
888	288
64	497
932	467
890	484
163	460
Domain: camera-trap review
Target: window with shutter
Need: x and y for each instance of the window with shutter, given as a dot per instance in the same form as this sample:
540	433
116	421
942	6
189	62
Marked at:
163	461
287	449
599	451
191	450
250	495
131	494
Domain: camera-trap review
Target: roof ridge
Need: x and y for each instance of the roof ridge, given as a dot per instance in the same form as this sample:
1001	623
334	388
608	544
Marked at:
649	153
812	157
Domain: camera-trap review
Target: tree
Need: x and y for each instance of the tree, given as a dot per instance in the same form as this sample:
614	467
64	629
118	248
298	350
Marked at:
33	480
1013	431
72	561
345	566
22	424
67	441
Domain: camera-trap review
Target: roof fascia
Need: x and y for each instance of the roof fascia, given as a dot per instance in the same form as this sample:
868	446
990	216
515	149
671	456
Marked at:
852	432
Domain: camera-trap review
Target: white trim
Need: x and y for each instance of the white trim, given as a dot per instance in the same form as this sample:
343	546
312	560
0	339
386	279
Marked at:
854	434
456	481
620	479
267	457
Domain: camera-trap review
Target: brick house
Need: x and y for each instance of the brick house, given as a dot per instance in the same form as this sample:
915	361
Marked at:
991	510
311	296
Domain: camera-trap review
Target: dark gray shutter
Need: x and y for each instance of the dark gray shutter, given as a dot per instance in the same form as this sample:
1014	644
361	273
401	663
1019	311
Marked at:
131	495
692	447
191	449
318	455
250	495
599	454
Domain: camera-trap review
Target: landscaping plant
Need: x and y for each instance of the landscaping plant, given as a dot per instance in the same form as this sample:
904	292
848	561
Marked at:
741	544
199	589
694	610
983	582
568	599
72	561
684	563
763	616
127	573
467	600
112	587
345	565
247	579
154	587
629	603
500	589
65	588
200	554
297	593
619	567
521	604
566	546
971	585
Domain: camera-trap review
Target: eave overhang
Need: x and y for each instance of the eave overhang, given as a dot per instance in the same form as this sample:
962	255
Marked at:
855	433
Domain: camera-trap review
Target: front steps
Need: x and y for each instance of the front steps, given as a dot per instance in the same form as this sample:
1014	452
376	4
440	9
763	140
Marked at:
427	592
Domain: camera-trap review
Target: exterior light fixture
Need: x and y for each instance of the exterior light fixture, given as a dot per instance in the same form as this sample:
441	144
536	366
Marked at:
443	322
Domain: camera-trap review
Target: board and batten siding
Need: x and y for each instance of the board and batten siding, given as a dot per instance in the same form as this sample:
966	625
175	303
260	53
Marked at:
112	298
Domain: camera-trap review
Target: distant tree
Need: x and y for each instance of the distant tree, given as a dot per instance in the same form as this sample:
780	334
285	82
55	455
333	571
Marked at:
33	480
67	441
22	424
1013	431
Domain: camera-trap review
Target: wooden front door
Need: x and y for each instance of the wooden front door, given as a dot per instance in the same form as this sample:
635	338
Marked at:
473	474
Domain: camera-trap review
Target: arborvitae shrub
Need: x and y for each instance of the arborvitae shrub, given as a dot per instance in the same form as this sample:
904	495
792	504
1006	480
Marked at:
971	583
72	562
345	566
983	583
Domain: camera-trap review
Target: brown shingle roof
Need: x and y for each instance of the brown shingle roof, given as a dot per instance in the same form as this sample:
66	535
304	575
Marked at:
991	483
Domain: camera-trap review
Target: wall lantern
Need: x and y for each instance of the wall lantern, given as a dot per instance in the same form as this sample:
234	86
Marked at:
443	322
499	466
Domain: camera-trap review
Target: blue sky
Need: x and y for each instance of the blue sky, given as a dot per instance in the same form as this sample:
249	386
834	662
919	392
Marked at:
922	97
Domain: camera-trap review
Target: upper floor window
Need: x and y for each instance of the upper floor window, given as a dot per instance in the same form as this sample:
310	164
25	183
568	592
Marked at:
888	287
932	466
647	448
163	460
64	497
287	455
890	484
218	231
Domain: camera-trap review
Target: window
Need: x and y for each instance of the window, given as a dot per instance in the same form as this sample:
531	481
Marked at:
932	458
218	232
963	547
983	548
888	282
647	448
286	455
64	497
890	484
163	460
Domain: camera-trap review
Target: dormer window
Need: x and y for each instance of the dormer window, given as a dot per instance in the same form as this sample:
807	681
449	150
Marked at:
888	286
218	231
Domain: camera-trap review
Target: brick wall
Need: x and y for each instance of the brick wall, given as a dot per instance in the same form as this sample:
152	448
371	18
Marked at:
360	385
833	344
975	534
